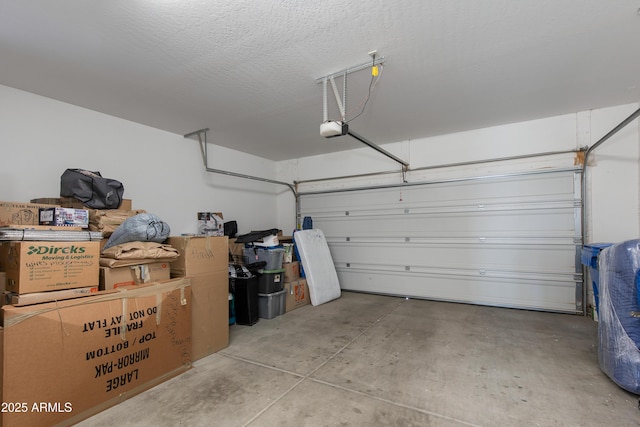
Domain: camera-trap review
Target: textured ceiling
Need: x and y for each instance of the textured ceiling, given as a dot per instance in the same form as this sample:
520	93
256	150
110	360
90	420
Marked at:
247	69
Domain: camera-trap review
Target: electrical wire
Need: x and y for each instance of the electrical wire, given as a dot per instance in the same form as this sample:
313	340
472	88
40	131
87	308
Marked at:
372	83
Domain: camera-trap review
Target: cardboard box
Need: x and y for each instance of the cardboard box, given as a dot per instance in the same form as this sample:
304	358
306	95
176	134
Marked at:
20	213
297	294
291	271
70	202
115	277
210	317
236	251
61	217
40	297
65	361
199	255
49	266
205	259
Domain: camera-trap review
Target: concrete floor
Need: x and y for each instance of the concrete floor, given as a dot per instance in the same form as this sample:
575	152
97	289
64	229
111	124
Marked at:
367	360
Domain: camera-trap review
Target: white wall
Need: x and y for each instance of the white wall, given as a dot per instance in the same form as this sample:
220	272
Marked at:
162	172
613	194
613	178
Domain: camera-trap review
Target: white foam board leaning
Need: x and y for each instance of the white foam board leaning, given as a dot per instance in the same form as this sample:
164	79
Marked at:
318	266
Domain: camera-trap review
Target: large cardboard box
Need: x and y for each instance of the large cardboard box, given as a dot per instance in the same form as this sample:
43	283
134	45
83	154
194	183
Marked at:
205	259
63	362
297	294
48	266
210	318
18	213
115	277
199	255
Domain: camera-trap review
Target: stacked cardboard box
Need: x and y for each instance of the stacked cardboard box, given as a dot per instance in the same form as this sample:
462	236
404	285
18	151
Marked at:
37	271
204	259
296	287
66	360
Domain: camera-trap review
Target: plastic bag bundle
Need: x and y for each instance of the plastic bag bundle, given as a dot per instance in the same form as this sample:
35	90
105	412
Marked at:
144	227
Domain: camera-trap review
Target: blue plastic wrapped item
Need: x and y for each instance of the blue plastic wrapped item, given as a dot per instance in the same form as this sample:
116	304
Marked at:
619	317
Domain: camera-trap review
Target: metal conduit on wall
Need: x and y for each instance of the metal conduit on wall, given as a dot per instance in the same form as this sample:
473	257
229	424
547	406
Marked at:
293	187
202	139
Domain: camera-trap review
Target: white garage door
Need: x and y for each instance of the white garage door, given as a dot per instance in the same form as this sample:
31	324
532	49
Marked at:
509	240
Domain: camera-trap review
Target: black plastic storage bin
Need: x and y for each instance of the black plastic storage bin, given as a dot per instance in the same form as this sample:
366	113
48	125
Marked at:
271	281
245	293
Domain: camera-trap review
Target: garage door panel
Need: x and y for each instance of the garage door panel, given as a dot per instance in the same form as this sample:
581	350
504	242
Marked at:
549	295
467	192
547	221
505	240
529	258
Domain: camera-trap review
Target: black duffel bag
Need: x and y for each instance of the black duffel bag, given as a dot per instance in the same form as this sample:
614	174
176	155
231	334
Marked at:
91	189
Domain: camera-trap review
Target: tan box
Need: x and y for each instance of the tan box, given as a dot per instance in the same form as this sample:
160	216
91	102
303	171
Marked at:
65	361
21	213
108	220
40	297
49	266
297	294
115	277
199	255
210	318
70	202
291	271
